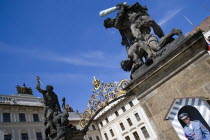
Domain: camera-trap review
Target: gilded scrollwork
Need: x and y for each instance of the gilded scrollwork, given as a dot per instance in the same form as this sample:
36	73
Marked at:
103	94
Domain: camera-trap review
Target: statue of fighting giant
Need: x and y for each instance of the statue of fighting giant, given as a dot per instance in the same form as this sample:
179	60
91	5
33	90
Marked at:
134	25
56	121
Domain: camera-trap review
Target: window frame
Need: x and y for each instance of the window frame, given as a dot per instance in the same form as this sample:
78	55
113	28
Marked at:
122	126
106	136
39	136
8	135
127	138
123	108
138	118
136	135
6	117
36	119
24	136
129	121
93	126
101	123
97	138
22	119
131	104
111	132
116	113
145	131
107	120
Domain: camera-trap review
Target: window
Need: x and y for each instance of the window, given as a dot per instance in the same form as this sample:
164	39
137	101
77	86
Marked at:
24	136
131	103
107	121
7	137
136	136
123	108
127	138
93	126
145	132
97	138
101	124
106	136
122	126
39	136
6	117
116	113
112	133
137	117
90	138
36	117
22	117
129	122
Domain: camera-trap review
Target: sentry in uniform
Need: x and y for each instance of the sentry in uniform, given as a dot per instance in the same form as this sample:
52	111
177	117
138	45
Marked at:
194	130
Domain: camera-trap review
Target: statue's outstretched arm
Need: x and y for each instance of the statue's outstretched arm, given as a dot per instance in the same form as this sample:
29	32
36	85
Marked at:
120	16
38	86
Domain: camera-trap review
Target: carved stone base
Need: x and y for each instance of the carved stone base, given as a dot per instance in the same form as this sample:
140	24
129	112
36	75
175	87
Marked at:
183	74
72	135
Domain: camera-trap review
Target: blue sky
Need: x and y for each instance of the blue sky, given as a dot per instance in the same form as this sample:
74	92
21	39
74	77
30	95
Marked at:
66	44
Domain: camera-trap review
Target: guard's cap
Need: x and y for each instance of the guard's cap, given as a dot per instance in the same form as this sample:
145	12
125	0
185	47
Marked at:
183	116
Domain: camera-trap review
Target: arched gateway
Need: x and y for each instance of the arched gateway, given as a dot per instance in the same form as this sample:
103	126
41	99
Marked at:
104	94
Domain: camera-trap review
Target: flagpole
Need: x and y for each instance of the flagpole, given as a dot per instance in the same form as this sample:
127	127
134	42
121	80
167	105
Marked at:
189	21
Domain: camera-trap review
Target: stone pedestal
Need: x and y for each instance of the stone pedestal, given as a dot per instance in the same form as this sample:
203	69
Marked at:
72	135
183	72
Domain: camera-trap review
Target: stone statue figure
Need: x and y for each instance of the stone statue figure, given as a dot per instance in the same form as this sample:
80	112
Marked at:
24	89
18	88
61	121
51	108
57	125
134	25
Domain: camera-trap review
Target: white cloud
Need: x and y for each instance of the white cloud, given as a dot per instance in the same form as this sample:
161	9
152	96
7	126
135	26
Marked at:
83	62
88	58
93	54
170	14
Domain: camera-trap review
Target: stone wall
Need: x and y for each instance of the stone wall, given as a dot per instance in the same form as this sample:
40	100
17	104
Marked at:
193	81
187	74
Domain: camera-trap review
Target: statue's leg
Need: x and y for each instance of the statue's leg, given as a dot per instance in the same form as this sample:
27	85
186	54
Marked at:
45	111
137	59
146	48
52	127
169	37
132	52
47	131
152	42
